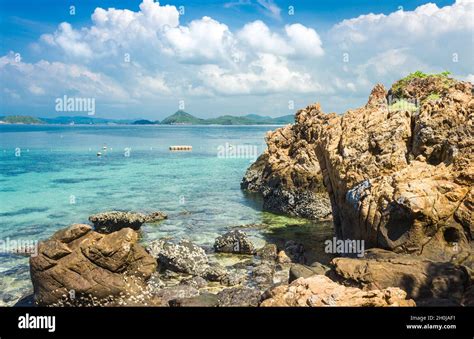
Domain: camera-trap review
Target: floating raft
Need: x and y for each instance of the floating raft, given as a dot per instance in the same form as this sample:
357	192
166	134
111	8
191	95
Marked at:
181	148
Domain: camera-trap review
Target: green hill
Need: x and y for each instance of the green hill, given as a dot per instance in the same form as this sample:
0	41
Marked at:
145	122
182	118
84	120
21	119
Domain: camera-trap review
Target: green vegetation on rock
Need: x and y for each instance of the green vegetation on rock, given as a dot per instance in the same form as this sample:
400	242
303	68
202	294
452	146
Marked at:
422	86
402	105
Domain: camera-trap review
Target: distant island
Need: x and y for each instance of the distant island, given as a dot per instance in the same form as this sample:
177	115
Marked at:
178	118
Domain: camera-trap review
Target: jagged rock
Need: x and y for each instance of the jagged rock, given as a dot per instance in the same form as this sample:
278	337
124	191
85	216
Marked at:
283	258
202	300
155	217
238	296
468	297
294	251
107	222
399	176
420	278
263	274
319	290
112	221
184	256
77	264
214	272
233	278
304	271
244	264
288	176
268	252
234	242
196	282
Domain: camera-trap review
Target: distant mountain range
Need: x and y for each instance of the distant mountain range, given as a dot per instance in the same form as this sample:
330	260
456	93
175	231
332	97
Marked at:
178	118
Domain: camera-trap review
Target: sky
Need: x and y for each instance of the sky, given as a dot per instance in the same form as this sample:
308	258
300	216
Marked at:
145	59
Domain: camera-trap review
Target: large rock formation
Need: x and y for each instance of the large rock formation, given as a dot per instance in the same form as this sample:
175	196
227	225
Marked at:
399	171
287	175
184	256
77	266
423	280
319	290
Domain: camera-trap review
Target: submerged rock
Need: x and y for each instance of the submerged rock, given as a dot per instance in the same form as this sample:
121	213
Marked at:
77	265
155	217
164	296
112	221
201	300
184	256
234	242
319	290
107	222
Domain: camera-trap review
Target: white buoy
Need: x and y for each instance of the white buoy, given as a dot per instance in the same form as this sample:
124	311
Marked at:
181	148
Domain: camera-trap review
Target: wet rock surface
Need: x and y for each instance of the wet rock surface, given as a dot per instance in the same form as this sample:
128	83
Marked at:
234	242
182	256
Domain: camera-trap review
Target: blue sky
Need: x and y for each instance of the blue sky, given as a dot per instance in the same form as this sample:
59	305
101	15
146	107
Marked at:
235	57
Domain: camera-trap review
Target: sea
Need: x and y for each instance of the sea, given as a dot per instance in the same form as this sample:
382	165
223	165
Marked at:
52	176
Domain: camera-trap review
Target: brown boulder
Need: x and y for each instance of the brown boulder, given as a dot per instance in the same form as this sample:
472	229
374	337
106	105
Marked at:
288	176
77	265
420	278
319	290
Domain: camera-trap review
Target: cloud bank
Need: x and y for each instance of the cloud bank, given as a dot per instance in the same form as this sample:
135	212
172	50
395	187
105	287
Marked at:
147	58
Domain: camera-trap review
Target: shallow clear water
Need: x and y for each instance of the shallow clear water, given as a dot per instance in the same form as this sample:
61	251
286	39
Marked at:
51	177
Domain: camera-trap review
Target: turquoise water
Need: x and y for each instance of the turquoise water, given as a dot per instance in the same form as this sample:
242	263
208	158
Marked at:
51	177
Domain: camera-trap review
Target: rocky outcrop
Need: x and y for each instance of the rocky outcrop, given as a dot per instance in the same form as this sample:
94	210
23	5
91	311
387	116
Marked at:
154	217
420	278
234	242
184	256
319	290
77	266
399	174
288	176
107	222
